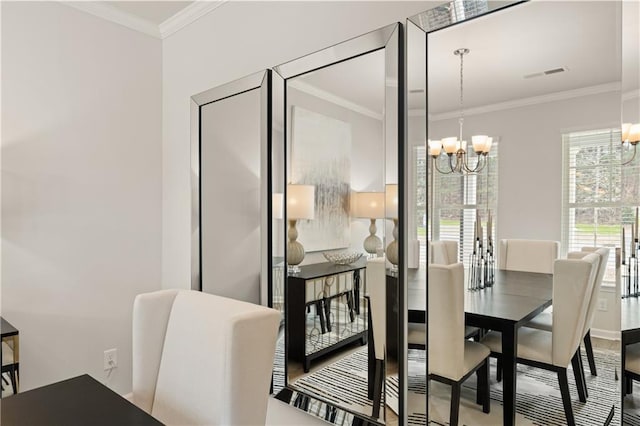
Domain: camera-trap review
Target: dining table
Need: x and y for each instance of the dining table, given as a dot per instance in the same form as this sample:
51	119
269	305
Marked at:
629	335
512	301
79	401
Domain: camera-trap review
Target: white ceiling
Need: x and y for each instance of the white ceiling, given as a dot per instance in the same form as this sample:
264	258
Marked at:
155	12
526	39
505	46
584	37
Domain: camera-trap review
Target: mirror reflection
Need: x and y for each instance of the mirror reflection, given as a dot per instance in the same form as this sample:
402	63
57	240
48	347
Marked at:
341	219
524	248
630	290
335	197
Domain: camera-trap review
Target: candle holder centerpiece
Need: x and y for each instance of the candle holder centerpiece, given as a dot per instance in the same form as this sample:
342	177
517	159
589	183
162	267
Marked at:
630	275
482	265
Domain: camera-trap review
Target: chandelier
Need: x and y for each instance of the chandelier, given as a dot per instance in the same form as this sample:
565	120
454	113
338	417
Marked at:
631	135
456	147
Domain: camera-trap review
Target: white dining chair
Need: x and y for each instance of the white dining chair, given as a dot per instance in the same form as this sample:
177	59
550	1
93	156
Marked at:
452	359
200	359
444	252
573	281
528	255
375	277
544	320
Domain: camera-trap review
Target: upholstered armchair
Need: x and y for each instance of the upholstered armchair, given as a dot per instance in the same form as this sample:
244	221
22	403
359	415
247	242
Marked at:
200	359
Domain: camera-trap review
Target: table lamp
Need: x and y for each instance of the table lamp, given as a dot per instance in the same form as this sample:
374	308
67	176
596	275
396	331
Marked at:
300	205
370	205
391	212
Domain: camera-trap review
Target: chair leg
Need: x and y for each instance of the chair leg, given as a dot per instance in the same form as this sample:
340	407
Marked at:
584	377
455	404
566	396
14	381
499	370
577	373
483	383
589	349
377	388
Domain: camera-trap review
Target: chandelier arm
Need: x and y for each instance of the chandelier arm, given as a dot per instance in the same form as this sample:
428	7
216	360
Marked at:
480	165
451	166
435	164
632	157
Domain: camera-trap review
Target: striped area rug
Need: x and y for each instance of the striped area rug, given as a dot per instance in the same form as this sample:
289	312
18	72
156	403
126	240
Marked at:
539	401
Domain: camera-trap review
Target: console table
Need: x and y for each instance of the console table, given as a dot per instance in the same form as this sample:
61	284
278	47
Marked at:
317	285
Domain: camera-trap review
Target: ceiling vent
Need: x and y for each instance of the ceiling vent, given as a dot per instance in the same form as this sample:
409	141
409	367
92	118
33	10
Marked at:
547	72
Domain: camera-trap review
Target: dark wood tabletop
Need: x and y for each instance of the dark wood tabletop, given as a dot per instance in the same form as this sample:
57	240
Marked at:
7	329
324	269
78	401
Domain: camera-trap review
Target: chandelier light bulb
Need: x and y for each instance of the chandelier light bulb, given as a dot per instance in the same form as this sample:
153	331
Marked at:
435	147
450	145
625	131
634	134
479	142
487	145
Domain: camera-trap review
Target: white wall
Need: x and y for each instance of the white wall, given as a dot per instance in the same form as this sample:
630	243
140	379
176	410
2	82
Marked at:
235	40
530	160
530	168
81	187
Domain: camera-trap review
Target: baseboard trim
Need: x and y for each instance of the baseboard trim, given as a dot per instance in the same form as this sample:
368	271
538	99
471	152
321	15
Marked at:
605	334
128	396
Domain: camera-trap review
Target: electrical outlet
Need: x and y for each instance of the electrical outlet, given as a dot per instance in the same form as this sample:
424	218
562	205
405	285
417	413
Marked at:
602	305
110	359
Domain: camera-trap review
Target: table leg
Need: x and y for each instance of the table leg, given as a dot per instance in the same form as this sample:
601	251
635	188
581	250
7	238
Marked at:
509	345
623	384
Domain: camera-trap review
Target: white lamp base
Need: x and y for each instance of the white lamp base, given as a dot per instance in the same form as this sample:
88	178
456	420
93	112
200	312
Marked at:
295	250
372	243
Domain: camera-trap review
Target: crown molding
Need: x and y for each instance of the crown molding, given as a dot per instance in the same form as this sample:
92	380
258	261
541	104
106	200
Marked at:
535	100
106	11
334	99
186	16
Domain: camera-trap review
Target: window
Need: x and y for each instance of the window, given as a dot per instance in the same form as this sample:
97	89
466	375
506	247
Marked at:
592	202
455	198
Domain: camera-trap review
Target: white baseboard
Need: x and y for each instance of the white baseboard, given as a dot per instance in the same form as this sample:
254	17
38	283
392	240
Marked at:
128	396
605	334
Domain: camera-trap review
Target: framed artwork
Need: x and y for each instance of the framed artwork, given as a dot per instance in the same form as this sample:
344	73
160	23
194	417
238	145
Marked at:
321	156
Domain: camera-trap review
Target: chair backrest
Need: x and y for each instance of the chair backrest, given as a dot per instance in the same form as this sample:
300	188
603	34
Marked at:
446	320
573	281
603	252
443	252
376	279
200	359
528	255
